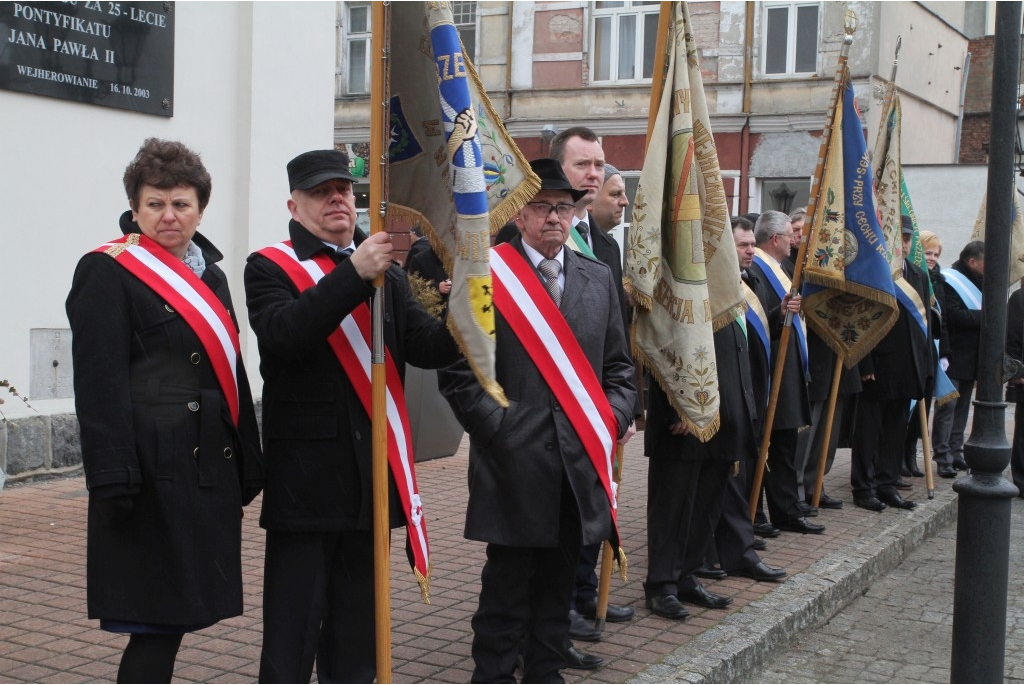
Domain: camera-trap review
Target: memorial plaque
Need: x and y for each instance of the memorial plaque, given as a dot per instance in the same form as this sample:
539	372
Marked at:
114	54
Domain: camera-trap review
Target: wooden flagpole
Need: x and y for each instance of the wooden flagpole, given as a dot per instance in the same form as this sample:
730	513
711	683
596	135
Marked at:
380	45
826	436
926	447
850	26
606	559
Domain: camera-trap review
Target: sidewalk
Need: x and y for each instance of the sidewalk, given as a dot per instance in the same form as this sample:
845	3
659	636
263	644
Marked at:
45	636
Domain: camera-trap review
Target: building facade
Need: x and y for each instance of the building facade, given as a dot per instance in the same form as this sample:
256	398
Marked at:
768	72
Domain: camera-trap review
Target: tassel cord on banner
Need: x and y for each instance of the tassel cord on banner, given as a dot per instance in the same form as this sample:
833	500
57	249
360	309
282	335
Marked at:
842	75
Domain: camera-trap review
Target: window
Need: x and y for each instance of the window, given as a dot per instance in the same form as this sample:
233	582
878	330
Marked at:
624	36
354	43
356	55
791	38
464	14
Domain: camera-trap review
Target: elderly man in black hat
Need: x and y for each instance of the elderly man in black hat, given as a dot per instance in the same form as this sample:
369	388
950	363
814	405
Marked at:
899	369
318	593
539	469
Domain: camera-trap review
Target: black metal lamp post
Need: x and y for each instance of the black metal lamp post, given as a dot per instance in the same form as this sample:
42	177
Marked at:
983	523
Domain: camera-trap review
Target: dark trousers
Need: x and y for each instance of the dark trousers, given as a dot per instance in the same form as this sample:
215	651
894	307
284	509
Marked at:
524	601
584	588
780	485
1017	451
950	425
914	434
879	431
734	533
680	495
809	446
318	604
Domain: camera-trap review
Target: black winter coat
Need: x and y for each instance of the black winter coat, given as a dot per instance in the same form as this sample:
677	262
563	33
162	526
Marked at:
155	425
317	436
964	328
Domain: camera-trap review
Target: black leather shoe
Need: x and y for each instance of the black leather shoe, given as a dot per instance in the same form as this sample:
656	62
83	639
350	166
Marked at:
871	503
960	464
667	606
904	472
946	471
807	509
893	499
902	484
766	530
827	502
703	597
711	573
761	572
759	544
916	472
582	629
574	658
614	613
801	525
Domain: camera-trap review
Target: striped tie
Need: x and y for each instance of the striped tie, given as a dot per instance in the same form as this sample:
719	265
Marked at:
550	268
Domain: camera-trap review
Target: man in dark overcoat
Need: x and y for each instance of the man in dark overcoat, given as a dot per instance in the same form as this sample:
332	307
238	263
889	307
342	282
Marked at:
961	315
578	150
318	599
899	369
535	494
686	480
773	233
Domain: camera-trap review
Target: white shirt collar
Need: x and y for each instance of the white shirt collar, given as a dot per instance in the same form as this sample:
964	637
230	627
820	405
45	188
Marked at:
536	257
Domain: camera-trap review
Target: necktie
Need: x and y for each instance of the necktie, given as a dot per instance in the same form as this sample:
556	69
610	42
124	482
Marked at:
549	268
584	230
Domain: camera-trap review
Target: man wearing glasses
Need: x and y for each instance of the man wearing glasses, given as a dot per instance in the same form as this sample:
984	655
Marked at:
774	235
539	469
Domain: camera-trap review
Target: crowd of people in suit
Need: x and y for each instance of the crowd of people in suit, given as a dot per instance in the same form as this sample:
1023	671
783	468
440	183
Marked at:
172	454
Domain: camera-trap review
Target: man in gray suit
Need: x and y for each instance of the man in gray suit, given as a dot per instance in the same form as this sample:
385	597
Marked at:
539	471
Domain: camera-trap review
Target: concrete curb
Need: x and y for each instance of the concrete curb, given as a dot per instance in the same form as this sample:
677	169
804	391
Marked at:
733	650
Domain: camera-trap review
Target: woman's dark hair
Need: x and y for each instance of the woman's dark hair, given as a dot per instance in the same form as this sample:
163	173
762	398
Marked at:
167	164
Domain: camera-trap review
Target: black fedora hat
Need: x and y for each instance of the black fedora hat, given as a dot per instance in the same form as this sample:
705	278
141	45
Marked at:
553	178
310	169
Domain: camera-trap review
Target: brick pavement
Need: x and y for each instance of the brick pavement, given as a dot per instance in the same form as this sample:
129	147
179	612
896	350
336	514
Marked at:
45	637
901	630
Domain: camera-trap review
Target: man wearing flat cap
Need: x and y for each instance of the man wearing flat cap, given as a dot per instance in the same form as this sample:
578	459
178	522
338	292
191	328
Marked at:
540	469
305	297
899	369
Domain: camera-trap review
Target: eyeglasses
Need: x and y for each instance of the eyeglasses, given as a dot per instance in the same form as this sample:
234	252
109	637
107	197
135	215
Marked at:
564	211
787	236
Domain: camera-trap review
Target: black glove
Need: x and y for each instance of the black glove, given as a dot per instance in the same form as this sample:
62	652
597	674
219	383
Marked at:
114	510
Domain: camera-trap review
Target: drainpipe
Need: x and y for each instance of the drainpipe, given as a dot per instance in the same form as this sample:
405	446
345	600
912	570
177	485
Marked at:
508	65
960	113
748	59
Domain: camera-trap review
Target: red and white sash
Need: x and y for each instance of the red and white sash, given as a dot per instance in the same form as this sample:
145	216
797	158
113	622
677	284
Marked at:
545	335
352	345
198	306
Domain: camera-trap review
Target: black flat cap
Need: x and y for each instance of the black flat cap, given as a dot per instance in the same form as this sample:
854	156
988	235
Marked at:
906	225
310	169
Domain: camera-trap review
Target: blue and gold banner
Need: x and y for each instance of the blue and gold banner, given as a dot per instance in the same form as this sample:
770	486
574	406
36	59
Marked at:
849	297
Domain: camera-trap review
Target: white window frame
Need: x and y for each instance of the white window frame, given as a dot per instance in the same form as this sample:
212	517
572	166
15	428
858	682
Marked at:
345	39
476	31
616	14
791	38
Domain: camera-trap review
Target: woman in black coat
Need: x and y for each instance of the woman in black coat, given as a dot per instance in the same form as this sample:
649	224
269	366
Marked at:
170	444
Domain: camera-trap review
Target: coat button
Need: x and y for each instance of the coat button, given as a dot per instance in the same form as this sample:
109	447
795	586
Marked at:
549	446
195	453
357	435
169	308
194	358
193	406
558	407
228	453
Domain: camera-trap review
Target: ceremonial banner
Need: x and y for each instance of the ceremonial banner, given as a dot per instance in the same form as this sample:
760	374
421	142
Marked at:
888	166
453	169
1016	235
849	298
684	279
944	390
